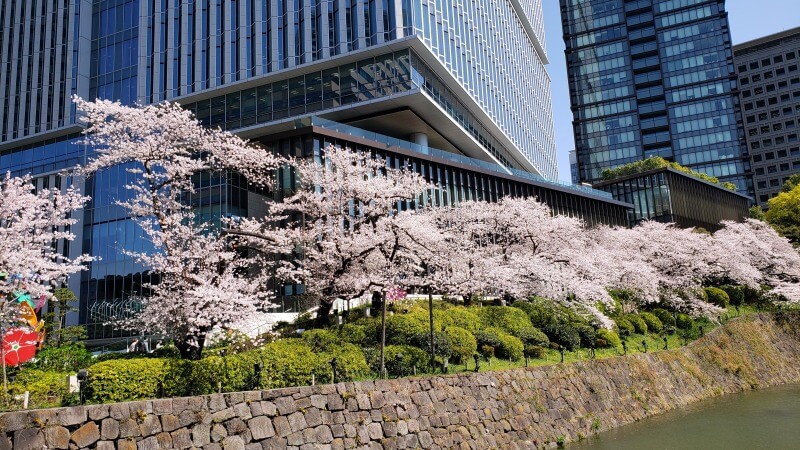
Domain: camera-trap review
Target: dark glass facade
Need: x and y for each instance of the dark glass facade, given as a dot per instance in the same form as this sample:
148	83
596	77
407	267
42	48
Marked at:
769	81
668	196
654	78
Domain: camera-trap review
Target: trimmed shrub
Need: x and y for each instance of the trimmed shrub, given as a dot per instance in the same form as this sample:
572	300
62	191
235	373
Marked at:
47	388
488	337
351	364
684	322
504	345
638	324
718	297
122	380
608	339
533	336
586	333
442	343
288	362
401	328
459	317
535	351
624	326
540	311
462	343
320	340
65	358
735	294
509	319
563	334
355	334
401	360
233	373
666	317
654	325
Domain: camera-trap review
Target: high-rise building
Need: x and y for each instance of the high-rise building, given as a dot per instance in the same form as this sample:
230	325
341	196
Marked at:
462	80
769	83
654	78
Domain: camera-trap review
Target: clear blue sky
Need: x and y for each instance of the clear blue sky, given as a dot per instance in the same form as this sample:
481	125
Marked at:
749	19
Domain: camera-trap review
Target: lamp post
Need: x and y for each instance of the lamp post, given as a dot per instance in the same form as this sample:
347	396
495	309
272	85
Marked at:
83	375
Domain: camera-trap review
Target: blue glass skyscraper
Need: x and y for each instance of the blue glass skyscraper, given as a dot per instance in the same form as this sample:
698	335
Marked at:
654	78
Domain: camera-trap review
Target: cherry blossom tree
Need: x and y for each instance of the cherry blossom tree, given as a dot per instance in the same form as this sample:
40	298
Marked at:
341	220
31	225
206	280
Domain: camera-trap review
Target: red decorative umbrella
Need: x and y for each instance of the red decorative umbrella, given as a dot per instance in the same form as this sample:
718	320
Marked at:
19	346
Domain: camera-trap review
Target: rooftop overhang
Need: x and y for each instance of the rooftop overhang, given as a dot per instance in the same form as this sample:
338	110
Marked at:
526	24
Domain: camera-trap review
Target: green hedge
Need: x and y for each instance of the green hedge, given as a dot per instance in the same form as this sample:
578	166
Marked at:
458	317
684	322
718	297
735	294
608	339
401	328
666	317
66	358
533	336
401	360
505	346
123	380
46	389
654	324
462	343
638	323
509	319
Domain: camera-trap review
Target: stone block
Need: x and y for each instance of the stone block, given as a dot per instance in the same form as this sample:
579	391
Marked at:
71	416
261	428
242	411
233	443
269	409
181	438
274	443
162	406
105	445
126	444
218	433
170	422
201	434
282	427
97	412
319	401
150	443
119	411
235	426
297	421
216	402
335	402
129	428
375	431
323	434
313	417
86	435
150	425
29	439
285	405
56	437
363	401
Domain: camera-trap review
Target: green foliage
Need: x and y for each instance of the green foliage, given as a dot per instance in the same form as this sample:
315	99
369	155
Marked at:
563	334
288	362
504	345
684	322
47	389
459	317
783	213
508	318
401	328
65	358
735	294
351	364
533	336
639	325
443	347
123	380
654	324
608	339
320	340
791	183
55	322
718	297
757	212
356	334
624	326
401	360
586	333
535	351
666	317
462	343
234	373
657	162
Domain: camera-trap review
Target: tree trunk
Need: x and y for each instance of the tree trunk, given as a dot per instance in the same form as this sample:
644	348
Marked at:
383	337
188	349
468	299
430	319
323	318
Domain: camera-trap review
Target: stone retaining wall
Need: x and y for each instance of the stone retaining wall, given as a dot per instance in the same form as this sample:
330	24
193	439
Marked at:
512	409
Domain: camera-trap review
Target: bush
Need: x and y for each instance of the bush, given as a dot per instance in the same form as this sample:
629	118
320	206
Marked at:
460	317
563	334
586	333
122	380
540	311
288	362
320	340
535	351
400	360
487	351
401	328
351	364
666	317
356	334
684	322
718	297
65	358
533	336
638	324
624	326
443	348
654	324
509	319
504	345
608	339
47	388
735	294
233	373
462	343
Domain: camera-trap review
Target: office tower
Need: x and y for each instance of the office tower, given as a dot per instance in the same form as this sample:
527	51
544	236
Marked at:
462	80
769	89
654	78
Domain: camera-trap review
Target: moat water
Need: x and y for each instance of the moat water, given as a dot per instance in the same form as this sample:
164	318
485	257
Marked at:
764	419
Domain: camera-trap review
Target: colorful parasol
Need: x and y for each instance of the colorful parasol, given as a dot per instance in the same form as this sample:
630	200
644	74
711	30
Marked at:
19	346
29	315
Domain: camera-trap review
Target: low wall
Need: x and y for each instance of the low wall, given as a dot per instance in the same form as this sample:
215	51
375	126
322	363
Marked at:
512	409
